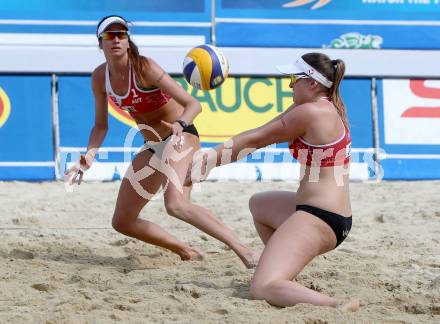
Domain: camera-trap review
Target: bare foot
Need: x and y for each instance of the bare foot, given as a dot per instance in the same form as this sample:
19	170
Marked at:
192	254
250	258
351	306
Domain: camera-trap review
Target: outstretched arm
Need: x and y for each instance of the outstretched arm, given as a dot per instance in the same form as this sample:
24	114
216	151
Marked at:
287	127
100	128
98	132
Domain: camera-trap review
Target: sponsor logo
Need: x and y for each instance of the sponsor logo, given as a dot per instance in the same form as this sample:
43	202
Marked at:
300	3
411	111
5	107
419	88
356	41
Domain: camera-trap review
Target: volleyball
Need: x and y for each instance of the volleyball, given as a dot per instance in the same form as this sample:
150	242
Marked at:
205	67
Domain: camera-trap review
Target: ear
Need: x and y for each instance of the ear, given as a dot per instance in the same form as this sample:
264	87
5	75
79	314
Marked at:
100	43
314	84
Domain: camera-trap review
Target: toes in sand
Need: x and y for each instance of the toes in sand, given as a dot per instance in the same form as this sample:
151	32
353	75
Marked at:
351	306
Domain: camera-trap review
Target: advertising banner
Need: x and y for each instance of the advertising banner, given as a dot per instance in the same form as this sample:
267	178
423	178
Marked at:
409	120
241	103
357	24
73	23
194	10
26	140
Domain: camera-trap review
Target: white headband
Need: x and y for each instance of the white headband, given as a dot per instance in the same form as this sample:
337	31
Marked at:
109	21
301	66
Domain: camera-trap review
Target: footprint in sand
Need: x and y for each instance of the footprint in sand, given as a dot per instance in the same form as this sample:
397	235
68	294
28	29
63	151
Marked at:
42	287
122	242
21	254
220	311
195	293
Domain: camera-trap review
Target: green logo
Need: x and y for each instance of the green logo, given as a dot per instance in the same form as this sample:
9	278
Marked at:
356	41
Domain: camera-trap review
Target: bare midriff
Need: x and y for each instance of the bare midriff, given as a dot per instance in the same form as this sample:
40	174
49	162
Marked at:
326	188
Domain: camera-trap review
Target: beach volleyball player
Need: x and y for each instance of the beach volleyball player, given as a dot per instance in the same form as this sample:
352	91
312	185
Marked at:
296	227
164	113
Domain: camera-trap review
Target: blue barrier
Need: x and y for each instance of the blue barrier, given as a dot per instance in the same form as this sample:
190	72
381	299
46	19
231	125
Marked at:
26	134
408	128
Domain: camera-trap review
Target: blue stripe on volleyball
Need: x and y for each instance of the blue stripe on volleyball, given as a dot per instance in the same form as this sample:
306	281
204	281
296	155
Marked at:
216	66
188	70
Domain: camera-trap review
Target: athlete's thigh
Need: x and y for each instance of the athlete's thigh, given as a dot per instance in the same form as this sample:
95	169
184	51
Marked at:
175	177
272	208
139	185
294	244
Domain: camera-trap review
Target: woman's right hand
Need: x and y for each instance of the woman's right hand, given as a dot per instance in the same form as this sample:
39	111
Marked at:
76	172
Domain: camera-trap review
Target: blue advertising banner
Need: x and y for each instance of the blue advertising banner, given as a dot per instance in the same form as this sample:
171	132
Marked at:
164	10
409	128
357	24
26	139
156	18
345	36
412	10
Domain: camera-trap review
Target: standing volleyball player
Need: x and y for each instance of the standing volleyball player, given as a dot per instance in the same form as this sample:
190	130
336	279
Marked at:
296	227
164	113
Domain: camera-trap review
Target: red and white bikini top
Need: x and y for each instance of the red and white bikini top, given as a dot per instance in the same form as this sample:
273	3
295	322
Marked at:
326	155
136	101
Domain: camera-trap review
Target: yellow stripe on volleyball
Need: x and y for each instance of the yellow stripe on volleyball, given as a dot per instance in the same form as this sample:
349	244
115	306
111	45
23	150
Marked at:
204	64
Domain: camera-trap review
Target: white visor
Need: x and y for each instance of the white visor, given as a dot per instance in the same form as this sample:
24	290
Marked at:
301	66
110	21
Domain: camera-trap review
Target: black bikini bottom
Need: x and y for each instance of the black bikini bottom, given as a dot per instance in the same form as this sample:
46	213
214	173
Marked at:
340	225
191	129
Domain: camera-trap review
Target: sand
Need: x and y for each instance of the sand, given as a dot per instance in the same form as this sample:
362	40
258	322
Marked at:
61	262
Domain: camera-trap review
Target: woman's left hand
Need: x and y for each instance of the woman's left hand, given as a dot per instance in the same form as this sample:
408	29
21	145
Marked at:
177	131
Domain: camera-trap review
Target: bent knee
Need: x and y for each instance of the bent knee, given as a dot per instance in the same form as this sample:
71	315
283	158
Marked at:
255	204
120	224
257	291
175	208
271	291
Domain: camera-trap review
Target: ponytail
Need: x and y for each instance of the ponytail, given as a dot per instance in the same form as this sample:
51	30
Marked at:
334	71
339	67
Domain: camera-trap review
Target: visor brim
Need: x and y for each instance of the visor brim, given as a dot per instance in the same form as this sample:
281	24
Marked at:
111	21
289	69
